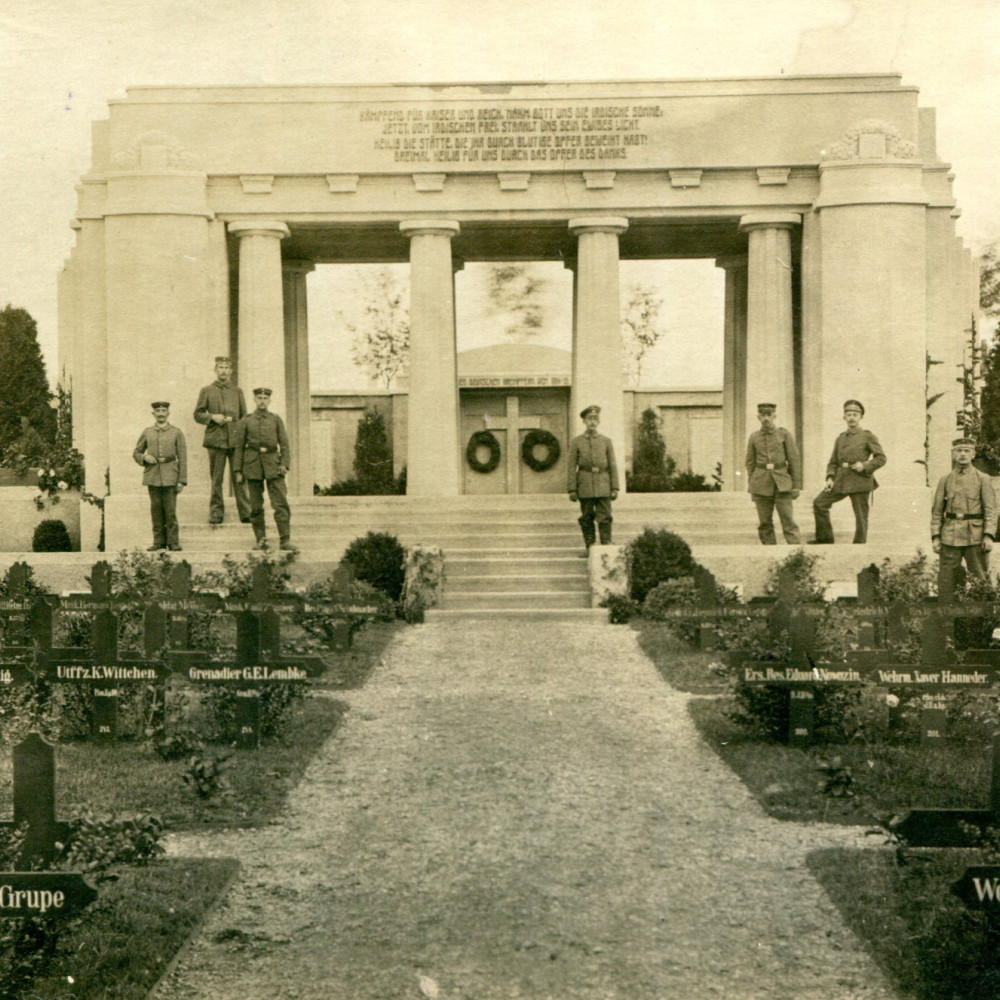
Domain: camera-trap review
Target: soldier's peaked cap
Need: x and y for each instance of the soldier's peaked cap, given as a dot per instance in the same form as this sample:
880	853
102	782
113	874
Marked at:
258	392
964	440
223	360
593	408
767	407
855	405
159	403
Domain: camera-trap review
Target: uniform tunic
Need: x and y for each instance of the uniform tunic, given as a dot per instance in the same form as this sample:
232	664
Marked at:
263	455
591	468
773	471
166	445
852	446
964	511
772	462
220	440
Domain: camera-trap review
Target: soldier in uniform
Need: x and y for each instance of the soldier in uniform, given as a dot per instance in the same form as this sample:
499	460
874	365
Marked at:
162	452
774	476
262	455
963	519
849	473
220	407
593	478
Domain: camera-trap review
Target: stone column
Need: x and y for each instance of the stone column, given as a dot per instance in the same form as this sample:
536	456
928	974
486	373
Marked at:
873	298
770	365
261	311
734	405
597	339
299	416
432	408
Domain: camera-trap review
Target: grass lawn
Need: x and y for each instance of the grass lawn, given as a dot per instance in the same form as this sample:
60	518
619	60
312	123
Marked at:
124	941
924	938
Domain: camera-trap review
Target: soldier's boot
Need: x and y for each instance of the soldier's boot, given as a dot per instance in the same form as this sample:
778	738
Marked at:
605	529
587	527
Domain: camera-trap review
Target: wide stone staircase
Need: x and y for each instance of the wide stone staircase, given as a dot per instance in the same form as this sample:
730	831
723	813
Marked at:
523	555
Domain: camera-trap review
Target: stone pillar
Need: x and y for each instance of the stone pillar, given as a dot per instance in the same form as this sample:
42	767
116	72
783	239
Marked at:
298	418
261	311
432	411
770	359
734	404
873	296
597	339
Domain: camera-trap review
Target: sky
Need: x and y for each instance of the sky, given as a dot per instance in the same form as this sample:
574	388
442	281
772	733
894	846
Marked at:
61	60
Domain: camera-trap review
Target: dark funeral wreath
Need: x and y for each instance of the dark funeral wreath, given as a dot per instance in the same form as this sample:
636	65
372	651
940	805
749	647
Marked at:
479	440
540	439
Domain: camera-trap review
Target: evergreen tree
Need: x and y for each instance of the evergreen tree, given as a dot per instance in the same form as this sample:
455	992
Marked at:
651	466
24	389
988	450
373	455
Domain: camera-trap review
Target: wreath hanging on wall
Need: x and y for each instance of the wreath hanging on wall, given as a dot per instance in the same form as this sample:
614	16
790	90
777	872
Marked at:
540	438
479	440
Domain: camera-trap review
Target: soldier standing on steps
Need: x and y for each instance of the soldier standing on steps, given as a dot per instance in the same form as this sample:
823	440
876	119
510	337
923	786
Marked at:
220	407
162	453
774	476
593	478
963	519
262	455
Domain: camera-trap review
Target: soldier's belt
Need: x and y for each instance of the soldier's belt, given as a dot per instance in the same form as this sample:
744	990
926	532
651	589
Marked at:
265	450
774	465
163	461
963	517
845	465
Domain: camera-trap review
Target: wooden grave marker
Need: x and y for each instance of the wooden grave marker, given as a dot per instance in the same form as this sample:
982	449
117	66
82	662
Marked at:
39	893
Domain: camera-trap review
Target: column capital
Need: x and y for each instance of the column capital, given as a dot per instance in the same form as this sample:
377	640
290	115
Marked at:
732	262
259	227
298	266
429	227
598	224
769	220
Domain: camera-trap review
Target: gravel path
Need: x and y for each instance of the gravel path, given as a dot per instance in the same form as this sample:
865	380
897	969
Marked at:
514	812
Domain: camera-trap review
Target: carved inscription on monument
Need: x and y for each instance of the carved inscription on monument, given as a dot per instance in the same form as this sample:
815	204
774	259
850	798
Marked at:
473	134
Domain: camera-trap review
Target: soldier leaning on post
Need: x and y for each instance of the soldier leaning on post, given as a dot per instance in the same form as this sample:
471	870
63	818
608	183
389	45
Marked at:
220	407
963	519
774	476
849	473
593	478
262	455
162	452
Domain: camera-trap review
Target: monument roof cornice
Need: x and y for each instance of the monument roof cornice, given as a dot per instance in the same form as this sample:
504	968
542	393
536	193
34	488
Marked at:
682	86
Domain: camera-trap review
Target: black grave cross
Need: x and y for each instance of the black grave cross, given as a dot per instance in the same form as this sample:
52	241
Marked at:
258	661
35	800
101	667
937	674
28	627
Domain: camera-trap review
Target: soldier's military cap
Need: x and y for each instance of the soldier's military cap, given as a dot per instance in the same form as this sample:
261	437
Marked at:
223	360
855	405
158	404
767	407
593	408
964	440
264	392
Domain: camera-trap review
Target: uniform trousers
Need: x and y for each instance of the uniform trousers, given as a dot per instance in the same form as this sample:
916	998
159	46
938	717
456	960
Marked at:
976	560
278	493
595	509
821	510
163	508
766	506
217	458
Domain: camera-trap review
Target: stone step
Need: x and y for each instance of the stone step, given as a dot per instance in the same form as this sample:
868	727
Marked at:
594	615
515	599
549	583
509	565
